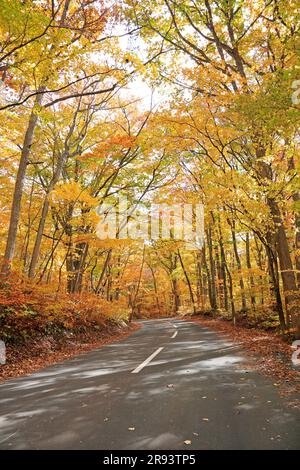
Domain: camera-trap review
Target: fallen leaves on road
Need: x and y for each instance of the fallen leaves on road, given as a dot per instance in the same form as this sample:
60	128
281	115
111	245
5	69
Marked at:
272	354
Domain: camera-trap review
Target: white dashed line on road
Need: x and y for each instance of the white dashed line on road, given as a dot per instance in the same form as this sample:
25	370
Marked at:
147	361
174	334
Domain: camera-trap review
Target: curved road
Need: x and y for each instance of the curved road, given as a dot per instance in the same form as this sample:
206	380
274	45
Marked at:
171	381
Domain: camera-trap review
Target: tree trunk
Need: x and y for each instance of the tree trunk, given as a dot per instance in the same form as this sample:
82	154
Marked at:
19	186
296	198
208	277
188	283
274	277
106	262
223	269
290	288
175	296
200	282
249	266
233	310
155	289
133	306
214	303
259	250
239	266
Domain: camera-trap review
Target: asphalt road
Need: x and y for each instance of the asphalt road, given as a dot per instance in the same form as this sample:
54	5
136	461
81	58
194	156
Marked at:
169	382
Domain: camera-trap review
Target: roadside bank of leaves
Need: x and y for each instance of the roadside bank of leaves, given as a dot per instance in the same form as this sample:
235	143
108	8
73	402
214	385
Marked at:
40	326
29	310
42	351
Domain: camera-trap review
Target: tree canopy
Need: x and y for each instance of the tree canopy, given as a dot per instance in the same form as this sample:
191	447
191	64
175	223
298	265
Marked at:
159	102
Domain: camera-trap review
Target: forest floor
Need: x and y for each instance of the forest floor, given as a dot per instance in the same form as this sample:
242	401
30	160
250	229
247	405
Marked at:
272	355
42	351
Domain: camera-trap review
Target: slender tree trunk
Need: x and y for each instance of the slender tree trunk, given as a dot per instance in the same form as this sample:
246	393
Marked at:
230	283
133	306
28	234
291	291
249	266
274	277
106	262
175	295
259	250
214	303
19	186
296	198
200	283
239	266
223	268
155	289
38	239
81	255
208	276
188	283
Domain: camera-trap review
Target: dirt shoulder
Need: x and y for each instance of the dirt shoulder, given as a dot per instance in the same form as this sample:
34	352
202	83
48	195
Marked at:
40	352
271	353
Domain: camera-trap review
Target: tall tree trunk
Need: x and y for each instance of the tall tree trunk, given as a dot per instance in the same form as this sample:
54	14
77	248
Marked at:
296	198
176	296
274	277
239	265
220	290
38	238
208	277
106	262
249	266
259	249
19	186
223	269
81	251
230	283
214	303
28	233
290	288
133	305
155	289
200	282
188	283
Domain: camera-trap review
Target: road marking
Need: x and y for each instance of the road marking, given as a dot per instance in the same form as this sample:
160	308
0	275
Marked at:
146	362
175	326
174	334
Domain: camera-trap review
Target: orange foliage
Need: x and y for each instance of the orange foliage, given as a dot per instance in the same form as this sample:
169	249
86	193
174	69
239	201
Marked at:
27	309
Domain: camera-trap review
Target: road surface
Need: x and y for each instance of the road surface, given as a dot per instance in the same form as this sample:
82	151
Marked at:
170	382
